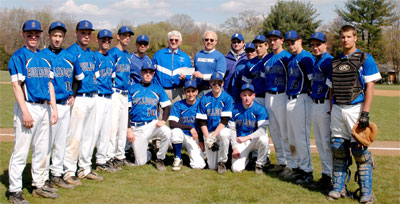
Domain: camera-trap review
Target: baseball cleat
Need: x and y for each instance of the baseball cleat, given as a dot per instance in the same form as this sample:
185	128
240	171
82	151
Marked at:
277	168
305	178
160	165
221	168
92	176
113	164
286	172
124	162
59	181
48	187
259	169
177	165
73	181
106	168
17	198
45	193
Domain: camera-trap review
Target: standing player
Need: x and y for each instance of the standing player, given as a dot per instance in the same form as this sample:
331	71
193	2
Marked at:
213	114
182	121
31	81
173	67
103	101
248	131
62	64
144	99
275	102
298	107
208	61
83	114
353	78
122	63
235	56
320	107
139	58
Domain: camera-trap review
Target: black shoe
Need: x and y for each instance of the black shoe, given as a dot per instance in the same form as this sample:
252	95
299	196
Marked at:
113	164
221	168
305	178
324	183
17	198
59	181
296	174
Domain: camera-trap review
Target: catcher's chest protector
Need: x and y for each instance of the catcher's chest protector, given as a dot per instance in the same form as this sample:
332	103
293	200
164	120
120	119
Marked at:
345	78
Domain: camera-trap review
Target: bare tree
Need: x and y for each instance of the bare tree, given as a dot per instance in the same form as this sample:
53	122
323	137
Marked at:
183	22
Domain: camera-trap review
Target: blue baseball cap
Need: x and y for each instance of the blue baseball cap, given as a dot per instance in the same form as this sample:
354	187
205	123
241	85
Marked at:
259	38
84	25
58	25
125	29
238	36
104	34
142	38
31	25
248	87
148	65
217	76
292	35
249	46
190	84
318	36
275	33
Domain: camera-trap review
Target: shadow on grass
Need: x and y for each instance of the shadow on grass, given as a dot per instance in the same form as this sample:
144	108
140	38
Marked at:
26	179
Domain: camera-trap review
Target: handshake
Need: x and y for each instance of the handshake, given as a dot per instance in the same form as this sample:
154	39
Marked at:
211	143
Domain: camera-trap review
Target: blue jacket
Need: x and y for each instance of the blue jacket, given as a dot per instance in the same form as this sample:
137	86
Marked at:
231	63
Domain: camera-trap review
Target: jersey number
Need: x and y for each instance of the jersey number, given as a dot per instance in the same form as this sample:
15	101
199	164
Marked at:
68	85
151	112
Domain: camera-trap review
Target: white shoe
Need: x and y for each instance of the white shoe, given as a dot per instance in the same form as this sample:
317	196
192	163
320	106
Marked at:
177	165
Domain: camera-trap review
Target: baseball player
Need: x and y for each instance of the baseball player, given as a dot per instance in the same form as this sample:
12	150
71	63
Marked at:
320	107
300	69
144	99
248	131
208	61
103	101
213	114
62	64
173	67
275	69
83	114
122	63
182	121
236	83
353	77
31	76
234	57
138	58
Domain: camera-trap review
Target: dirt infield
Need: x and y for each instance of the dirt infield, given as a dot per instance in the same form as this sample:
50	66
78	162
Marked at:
380	92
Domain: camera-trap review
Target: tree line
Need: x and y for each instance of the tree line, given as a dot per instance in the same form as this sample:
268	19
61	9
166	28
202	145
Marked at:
377	22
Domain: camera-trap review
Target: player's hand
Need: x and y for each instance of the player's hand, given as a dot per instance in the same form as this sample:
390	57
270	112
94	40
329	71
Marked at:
160	123
129	135
364	119
242	139
27	120
197	74
181	76
201	145
194	134
235	153
53	117
71	101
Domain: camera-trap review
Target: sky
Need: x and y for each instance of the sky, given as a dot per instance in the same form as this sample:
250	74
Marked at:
108	14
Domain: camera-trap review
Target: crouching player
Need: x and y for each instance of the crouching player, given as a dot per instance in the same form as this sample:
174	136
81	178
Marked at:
182	120
248	131
144	99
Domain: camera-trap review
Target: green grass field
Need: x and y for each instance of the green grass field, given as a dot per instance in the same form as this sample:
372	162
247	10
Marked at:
388	87
147	185
4	76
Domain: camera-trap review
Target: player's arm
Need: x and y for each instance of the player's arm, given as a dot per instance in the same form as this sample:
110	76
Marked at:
233	136
27	120
54	111
222	124
203	127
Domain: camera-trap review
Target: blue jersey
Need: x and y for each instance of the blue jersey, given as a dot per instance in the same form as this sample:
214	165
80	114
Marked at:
63	68
136	66
122	63
321	71
207	63
300	71
255	75
184	113
86	62
232	61
106	73
275	70
368	72
144	102
212	109
33	71
248	120
237	80
169	65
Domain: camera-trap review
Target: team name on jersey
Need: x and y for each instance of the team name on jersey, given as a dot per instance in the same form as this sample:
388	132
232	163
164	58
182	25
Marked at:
36	72
187	119
145	101
214	112
277	70
318	76
122	67
63	72
87	66
294	72
211	60
106	72
245	122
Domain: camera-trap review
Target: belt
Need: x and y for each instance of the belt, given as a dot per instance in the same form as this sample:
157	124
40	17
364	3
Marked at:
61	102
104	95
138	124
319	101
86	94
295	96
121	91
275	92
260	95
38	102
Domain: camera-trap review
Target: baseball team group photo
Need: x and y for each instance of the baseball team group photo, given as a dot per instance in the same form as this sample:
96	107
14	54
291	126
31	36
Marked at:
264	109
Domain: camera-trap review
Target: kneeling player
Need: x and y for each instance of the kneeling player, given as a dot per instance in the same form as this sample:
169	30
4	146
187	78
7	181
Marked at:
144	98
248	131
184	132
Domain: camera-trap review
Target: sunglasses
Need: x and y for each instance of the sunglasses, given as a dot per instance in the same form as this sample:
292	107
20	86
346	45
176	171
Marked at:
236	41
249	50
174	40
214	83
209	40
143	43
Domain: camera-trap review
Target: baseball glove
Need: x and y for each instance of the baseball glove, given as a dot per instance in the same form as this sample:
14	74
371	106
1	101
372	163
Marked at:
365	136
210	141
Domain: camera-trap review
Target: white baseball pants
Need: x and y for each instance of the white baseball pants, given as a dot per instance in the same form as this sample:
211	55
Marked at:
343	119
195	154
102	128
222	154
119	125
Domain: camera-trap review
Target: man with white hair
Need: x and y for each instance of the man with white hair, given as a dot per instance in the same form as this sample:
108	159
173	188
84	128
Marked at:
208	61
173	67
